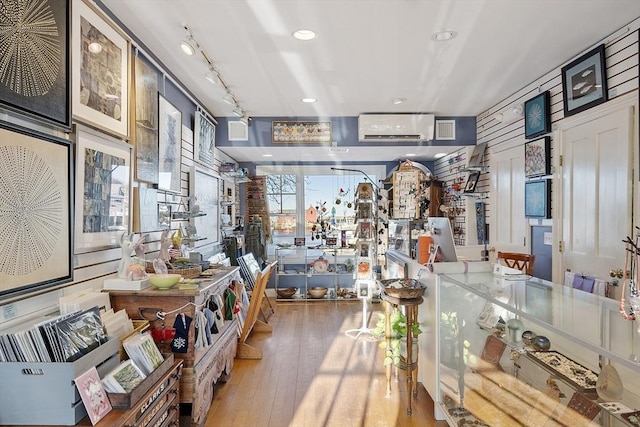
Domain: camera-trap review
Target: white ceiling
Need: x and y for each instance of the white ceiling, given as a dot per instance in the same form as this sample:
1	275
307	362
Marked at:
367	53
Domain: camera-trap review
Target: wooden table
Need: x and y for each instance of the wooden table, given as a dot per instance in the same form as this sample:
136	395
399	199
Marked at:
411	307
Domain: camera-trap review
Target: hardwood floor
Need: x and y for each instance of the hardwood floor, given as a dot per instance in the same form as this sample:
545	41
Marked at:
312	374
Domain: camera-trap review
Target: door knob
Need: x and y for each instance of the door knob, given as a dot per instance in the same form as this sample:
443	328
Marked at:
617	273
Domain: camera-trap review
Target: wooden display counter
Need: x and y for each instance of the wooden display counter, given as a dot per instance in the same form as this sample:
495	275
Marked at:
202	367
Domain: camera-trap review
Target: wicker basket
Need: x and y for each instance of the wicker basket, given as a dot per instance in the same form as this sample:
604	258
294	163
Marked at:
189	272
403	288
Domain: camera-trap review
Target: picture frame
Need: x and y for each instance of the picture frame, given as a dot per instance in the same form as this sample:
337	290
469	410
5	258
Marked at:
42	90
146	121
204	139
145	209
103	190
537	157
472	182
205	192
584	82
537	115
477	155
164	216
100	88
170	145
301	131
537	199
298	241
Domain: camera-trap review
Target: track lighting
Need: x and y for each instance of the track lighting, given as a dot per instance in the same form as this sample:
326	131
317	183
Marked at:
244	120
228	98
238	112
188	46
212	76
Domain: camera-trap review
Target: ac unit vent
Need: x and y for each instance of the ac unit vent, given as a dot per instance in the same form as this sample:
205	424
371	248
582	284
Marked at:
395	127
237	131
446	130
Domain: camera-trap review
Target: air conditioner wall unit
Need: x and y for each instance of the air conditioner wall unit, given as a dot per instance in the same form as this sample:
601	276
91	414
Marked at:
395	127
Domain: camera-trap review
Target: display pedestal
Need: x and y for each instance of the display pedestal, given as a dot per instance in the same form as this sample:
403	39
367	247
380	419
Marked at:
355	333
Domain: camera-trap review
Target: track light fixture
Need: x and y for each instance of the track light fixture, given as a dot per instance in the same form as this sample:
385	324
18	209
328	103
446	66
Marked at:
244	120
190	47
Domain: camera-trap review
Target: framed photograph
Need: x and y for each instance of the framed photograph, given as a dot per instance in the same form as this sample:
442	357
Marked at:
145	208
298	241
472	182
100	86
164	216
537	115
584	82
364	230
36	71
537	199
36	181
537	157
300	131
205	139
205	192
146	121
103	170
170	145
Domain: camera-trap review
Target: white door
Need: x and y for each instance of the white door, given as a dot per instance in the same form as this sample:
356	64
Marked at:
508	230
596	184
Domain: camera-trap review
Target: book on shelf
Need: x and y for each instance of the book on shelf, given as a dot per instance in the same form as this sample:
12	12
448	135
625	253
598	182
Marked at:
123	378
93	395
143	350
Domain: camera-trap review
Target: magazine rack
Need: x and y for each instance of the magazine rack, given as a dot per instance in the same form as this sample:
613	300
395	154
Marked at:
251	322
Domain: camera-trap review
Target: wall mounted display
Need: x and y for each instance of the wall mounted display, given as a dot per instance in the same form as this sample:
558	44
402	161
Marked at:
537	115
145	209
170	145
537	157
537	199
472	182
102	190
35	78
35	210
205	139
205	192
101	84
302	131
146	117
584	82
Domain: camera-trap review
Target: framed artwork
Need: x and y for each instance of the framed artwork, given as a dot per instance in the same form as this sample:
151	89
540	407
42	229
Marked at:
537	115
36	182
584	82
205	192
170	145
477	156
36	72
298	241
537	199
100	86
93	395
300	131
103	184
146	121
364	230
537	157
472	182
164	216
205	139
145	209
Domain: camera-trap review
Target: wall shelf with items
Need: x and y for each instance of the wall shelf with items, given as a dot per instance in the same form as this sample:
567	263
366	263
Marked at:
186	215
321	268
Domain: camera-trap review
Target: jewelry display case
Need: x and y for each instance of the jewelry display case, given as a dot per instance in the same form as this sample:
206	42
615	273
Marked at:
524	351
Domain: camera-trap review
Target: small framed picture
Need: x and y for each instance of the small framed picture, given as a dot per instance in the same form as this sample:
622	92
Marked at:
584	82
164	215
537	115
298	241
472	182
537	198
537	157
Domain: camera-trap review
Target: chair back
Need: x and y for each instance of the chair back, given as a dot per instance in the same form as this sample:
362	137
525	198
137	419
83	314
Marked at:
522	262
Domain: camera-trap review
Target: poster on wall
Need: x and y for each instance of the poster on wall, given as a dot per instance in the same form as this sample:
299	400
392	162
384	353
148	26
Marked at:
100	87
34	78
146	122
205	193
205	139
170	145
102	190
35	210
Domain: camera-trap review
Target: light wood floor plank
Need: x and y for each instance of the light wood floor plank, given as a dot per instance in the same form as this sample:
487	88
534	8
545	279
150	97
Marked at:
313	375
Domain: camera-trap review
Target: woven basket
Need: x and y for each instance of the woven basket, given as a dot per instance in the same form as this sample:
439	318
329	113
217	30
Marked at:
411	288
187	272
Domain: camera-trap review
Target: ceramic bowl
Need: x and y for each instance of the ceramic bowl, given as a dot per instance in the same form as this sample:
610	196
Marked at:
317	292
164	281
287	292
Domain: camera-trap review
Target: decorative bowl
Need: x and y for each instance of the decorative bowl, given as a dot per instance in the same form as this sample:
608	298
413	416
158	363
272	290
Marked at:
164	281
403	288
317	292
541	343
287	292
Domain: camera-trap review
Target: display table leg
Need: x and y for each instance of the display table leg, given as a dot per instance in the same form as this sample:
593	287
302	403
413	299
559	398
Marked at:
387	336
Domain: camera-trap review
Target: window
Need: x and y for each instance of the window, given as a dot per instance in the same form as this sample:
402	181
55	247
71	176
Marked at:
281	196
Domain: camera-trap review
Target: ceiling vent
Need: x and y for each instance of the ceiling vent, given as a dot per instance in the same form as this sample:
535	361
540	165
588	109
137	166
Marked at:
237	131
445	130
395	127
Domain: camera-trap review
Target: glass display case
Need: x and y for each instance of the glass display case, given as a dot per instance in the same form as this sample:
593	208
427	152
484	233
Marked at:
403	235
529	352
312	270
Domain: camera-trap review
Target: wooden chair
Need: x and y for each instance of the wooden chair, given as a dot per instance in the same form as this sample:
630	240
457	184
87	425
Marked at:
523	262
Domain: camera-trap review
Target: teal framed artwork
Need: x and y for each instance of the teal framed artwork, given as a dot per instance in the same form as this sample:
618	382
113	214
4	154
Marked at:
537	199
537	115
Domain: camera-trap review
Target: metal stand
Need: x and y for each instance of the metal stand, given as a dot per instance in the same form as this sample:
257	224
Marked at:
355	333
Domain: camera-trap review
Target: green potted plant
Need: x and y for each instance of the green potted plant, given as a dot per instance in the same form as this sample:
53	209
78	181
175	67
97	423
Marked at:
396	350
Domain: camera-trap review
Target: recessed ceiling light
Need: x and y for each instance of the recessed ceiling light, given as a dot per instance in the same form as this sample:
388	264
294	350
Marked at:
304	35
444	35
440	155
309	100
95	47
267	155
398	101
188	46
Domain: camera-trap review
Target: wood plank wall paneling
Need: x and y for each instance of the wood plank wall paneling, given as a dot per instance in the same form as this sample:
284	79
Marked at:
622	58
